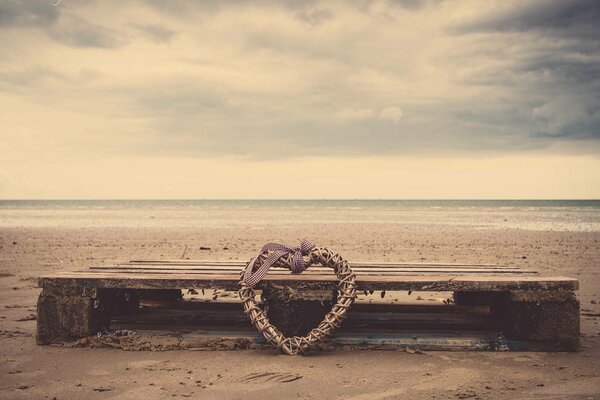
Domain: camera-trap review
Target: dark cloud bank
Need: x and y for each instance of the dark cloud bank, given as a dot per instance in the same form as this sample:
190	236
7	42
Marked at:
557	65
63	26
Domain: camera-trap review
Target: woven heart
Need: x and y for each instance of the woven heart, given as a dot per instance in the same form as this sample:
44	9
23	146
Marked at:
332	320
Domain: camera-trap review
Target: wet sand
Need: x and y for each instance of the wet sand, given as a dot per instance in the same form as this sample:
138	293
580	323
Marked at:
28	371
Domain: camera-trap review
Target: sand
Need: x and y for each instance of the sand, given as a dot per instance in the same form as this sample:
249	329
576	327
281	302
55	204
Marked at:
28	371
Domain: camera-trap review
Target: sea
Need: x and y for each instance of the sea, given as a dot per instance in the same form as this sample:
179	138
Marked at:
546	215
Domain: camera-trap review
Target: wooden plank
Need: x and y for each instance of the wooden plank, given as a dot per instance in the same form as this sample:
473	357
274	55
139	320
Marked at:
241	263
361	314
317	270
356	322
431	342
238	262
354	266
359	306
364	282
314	267
374	271
201	339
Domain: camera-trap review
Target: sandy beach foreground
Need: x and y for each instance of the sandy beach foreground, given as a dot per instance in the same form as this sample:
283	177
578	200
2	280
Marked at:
28	371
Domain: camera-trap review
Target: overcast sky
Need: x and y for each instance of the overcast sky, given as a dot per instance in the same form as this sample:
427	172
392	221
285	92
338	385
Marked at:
300	99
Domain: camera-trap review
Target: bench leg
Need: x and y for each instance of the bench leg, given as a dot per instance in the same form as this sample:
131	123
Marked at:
296	311
65	315
545	317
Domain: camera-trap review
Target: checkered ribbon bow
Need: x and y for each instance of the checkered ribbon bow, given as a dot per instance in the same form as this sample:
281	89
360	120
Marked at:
277	251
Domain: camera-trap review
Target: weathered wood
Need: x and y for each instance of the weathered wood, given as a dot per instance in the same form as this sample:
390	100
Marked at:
71	311
310	271
61	316
359	306
542	317
535	312
239	263
317	282
367	318
158	340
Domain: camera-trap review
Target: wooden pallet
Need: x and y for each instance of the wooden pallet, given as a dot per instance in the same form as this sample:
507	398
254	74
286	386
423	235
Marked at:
494	308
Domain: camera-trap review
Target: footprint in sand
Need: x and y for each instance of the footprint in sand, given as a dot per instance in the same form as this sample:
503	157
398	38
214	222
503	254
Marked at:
13	334
271	377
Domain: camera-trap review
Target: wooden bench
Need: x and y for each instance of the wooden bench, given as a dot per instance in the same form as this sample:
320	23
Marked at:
490	307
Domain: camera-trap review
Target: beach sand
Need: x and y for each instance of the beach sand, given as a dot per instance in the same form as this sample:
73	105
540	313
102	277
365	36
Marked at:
28	371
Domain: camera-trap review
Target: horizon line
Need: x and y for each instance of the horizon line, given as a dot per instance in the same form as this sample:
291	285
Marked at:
300	199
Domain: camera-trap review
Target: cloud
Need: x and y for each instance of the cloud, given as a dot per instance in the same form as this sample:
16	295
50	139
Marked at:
274	79
413	4
65	27
574	17
315	16
389	114
569	116
14	13
74	31
156	32
183	8
543	54
392	114
356	114
178	100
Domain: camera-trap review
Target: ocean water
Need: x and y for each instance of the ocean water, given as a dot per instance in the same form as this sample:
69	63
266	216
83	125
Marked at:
555	215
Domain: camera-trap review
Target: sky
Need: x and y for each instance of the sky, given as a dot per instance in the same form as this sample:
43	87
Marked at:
299	99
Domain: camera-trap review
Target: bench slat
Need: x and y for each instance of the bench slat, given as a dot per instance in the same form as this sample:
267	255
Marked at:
364	282
354	267
239	263
312	270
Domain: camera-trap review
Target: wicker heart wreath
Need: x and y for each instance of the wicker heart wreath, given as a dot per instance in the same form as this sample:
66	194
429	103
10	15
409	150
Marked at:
280	256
